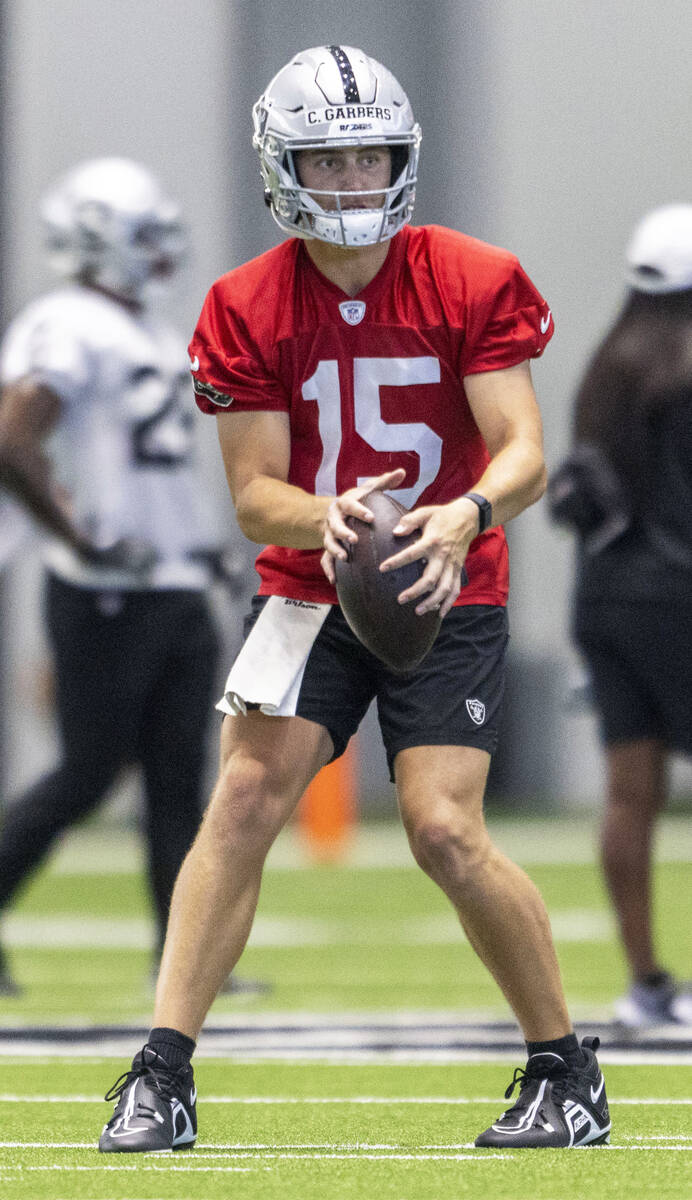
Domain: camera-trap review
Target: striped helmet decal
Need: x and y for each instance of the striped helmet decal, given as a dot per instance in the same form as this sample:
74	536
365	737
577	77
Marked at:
348	79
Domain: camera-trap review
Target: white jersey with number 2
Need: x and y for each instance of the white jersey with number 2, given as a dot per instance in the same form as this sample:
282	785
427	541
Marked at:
123	447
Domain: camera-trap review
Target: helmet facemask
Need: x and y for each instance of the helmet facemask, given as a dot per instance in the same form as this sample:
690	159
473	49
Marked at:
298	210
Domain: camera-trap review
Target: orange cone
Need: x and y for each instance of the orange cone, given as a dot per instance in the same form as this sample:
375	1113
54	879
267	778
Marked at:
327	812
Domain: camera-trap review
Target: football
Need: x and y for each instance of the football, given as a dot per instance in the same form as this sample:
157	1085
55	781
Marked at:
368	597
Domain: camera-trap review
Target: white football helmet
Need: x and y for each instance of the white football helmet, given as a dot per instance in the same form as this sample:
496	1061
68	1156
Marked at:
335	96
108	222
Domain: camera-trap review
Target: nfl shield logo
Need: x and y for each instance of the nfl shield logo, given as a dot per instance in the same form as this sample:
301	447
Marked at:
352	311
476	711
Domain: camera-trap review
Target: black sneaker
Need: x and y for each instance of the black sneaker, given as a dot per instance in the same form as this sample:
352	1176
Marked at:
559	1105
155	1107
648	1004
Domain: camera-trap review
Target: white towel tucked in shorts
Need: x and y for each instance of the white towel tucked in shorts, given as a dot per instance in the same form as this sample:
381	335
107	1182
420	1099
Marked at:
269	669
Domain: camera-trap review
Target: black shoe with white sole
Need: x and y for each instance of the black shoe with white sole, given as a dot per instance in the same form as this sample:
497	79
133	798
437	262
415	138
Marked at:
154	1109
560	1105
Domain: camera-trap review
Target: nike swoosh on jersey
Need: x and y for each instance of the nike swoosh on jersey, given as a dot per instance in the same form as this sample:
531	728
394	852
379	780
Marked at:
545	322
194	363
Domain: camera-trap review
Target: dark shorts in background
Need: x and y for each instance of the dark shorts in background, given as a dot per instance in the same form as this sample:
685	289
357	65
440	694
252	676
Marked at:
639	657
454	698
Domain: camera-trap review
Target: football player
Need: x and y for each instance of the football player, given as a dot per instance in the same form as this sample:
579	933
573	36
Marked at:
626	490
361	353
96	442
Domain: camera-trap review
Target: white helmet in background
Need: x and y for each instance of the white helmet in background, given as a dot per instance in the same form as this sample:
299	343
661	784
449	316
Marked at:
659	256
108	222
335	96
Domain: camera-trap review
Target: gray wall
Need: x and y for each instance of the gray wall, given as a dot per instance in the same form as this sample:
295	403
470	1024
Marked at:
588	128
548	127
84	78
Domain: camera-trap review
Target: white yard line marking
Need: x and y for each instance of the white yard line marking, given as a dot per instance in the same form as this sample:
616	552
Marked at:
479	1158
383	844
20	1052
568	925
128	1167
47	1145
347	1150
262	1155
13	1098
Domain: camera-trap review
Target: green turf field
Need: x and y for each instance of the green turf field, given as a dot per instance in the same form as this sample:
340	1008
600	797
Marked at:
359	938
350	937
311	1131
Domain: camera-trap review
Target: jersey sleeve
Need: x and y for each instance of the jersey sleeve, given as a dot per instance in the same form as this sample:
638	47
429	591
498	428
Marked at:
230	368
48	349
509	321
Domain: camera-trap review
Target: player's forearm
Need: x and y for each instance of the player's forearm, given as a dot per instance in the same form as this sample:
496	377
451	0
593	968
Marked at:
25	476
272	511
513	480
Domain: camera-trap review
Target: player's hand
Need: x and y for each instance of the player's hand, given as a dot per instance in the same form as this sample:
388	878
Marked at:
447	531
337	534
229	566
133	555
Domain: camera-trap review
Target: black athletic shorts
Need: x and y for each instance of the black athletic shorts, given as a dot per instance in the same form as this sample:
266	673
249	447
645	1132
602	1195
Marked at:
639	657
454	698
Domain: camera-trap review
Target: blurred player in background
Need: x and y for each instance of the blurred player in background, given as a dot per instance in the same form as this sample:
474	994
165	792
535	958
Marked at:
627	489
362	349
96	442
13	529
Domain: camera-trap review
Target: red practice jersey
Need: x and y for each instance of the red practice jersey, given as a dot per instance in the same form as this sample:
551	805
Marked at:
373	382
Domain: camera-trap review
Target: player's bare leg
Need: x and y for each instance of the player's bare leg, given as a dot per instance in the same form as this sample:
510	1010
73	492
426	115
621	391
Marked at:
267	762
440	790
636	795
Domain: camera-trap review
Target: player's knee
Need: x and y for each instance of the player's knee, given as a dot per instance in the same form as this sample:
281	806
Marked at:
447	846
247	806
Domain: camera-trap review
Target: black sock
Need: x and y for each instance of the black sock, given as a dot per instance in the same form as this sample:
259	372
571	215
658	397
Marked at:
567	1047
655	979
176	1048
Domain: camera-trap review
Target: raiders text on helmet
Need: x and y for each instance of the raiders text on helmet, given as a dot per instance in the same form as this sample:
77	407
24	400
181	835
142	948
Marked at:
335	97
108	222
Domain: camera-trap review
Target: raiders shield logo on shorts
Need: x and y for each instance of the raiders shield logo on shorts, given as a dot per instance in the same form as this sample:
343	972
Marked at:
476	711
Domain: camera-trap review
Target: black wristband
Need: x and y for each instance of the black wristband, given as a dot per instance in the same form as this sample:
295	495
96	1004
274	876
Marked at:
485	510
